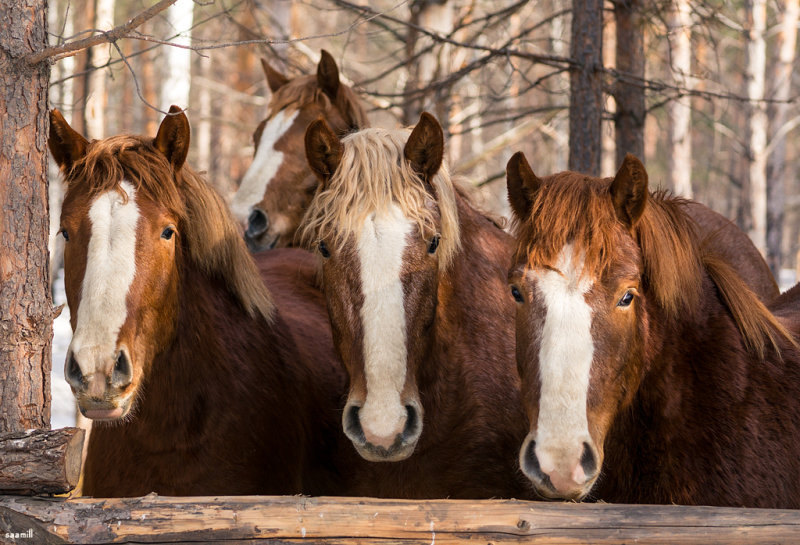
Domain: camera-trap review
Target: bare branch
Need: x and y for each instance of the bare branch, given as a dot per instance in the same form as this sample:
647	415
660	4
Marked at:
122	31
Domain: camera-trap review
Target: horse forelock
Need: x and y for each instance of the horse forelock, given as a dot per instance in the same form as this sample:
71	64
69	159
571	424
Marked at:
211	236
304	90
573	209
372	176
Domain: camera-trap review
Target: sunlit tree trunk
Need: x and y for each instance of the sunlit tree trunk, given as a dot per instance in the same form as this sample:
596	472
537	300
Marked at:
776	163
178	60
679	110
757	120
586	86
97	98
629	91
26	314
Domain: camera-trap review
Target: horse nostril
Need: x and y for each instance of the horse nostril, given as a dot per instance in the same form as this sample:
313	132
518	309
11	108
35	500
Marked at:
588	461
74	374
257	223
123	372
352	425
412	423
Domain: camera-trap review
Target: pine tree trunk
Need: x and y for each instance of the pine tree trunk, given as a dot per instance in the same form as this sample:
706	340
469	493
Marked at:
776	163
679	110
586	86
757	120
629	92
177	60
97	98
25	307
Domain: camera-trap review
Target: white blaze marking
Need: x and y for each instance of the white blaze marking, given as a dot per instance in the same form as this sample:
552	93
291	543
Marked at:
380	250
565	359
110	268
264	166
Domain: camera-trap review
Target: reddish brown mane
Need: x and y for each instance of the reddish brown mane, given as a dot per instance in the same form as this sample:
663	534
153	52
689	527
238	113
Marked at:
573	208
304	90
212	238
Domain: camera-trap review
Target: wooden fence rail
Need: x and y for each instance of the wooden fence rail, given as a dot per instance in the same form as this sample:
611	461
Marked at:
334	521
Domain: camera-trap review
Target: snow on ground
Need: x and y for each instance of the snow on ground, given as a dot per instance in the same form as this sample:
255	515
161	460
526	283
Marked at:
63	403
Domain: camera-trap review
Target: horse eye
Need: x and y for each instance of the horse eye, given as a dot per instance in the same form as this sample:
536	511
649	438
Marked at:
323	249
434	244
167	233
65	235
626	300
517	295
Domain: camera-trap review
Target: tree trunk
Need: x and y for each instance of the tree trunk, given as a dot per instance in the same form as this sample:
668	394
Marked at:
757	120
629	91
679	110
776	163
97	99
586	86
177	60
26	311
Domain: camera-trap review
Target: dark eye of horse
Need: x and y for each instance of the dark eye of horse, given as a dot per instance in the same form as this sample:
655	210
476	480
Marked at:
517	295
626	300
167	233
434	244
323	249
65	235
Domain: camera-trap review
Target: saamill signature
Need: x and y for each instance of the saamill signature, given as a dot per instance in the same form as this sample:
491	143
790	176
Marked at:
20	535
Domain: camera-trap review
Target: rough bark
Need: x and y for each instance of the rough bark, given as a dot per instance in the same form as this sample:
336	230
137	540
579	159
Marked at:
756	11
40	461
586	86
679	111
628	91
26	310
292	519
776	163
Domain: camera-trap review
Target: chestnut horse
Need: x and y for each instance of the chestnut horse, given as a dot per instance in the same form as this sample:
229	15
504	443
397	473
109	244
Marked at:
415	281
650	372
200	380
276	189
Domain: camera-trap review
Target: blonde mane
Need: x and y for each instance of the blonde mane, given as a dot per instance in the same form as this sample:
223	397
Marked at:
304	90
372	175
573	208
211	237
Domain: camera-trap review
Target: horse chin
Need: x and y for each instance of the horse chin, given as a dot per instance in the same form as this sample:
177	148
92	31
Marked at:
264	242
106	412
547	492
398	452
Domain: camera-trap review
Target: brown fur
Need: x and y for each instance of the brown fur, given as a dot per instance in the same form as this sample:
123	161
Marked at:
692	395
240	390
459	336
288	194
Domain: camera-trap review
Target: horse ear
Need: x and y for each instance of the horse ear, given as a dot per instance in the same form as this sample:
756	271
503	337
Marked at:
173	137
275	79
425	147
629	190
328	75
65	143
323	150
522	185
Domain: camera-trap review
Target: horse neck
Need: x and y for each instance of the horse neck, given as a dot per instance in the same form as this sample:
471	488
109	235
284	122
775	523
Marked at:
475	314
213	339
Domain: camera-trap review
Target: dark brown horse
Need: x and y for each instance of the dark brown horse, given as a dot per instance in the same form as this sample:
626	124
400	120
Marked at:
276	189
415	280
200	380
650	372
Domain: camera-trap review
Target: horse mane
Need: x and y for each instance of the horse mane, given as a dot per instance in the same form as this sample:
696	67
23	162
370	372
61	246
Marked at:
304	90
372	175
577	209
211	237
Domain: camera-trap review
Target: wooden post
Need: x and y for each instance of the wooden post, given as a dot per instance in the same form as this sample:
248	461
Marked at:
295	519
40	461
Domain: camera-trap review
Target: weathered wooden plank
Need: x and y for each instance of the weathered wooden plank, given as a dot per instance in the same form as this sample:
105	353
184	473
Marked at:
333	521
40	461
